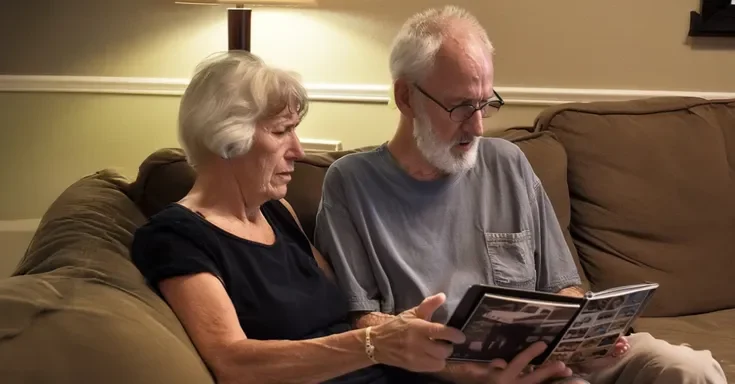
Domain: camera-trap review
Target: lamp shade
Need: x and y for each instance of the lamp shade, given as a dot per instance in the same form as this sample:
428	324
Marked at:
238	19
255	3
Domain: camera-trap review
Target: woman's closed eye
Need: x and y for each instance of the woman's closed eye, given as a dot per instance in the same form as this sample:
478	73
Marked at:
283	130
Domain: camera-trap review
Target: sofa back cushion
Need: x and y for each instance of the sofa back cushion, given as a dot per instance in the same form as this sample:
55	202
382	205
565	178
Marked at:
77	309
165	177
652	191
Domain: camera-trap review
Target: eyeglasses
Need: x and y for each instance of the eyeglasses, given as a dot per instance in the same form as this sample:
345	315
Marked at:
462	112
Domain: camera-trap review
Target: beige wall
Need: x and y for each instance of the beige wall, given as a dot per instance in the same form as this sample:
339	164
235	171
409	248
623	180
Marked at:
564	43
14	244
48	140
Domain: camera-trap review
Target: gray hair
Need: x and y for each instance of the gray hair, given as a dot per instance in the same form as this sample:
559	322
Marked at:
229	94
415	47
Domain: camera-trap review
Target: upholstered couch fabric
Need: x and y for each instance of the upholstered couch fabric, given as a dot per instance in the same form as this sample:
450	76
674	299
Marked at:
78	311
643	190
652	187
652	191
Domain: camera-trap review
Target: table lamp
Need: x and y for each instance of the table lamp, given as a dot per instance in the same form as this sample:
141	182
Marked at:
238	18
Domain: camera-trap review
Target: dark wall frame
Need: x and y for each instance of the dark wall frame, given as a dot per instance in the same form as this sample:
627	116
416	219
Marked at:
716	18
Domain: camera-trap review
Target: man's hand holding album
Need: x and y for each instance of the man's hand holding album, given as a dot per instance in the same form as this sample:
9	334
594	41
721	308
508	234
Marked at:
517	371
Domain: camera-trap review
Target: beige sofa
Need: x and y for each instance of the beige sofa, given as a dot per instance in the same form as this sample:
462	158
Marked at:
645	190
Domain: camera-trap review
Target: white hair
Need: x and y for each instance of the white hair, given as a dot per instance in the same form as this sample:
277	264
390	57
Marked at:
415	47
229	94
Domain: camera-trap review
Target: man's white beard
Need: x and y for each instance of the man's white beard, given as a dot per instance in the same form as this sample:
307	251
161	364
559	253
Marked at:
440	154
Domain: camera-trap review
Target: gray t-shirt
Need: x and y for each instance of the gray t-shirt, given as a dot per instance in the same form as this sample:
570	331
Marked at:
393	240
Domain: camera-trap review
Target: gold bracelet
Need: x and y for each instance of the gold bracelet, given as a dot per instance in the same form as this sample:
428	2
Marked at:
369	347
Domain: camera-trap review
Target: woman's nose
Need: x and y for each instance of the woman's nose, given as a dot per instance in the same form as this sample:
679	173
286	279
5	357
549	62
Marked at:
297	150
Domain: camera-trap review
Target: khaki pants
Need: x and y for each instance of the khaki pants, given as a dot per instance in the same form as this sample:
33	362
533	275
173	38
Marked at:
653	361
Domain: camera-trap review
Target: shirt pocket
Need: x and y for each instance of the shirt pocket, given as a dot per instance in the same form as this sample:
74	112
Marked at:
511	259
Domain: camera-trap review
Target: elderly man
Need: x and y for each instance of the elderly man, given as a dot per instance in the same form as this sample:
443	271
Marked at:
439	208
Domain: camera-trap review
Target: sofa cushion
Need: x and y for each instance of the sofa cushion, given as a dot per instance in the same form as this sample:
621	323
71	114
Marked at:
710	331
651	185
77	310
163	178
74	326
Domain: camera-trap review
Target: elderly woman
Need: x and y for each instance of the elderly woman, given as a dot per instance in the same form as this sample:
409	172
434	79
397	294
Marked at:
232	261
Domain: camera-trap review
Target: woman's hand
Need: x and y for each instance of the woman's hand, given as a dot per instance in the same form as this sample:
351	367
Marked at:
411	341
621	348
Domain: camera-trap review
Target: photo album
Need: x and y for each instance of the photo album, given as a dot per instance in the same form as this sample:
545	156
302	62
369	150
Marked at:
501	322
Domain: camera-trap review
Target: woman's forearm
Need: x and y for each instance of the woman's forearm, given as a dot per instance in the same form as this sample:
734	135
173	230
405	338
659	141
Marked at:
285	361
366	319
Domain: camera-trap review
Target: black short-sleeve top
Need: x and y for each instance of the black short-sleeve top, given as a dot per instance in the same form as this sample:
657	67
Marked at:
278	291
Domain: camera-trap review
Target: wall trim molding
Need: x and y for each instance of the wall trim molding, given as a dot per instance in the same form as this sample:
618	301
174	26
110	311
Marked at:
356	93
320	145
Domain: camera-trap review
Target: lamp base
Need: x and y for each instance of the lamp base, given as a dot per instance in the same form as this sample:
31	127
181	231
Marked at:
238	28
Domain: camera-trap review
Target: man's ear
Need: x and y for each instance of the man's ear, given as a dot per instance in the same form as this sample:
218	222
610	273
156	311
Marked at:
402	97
